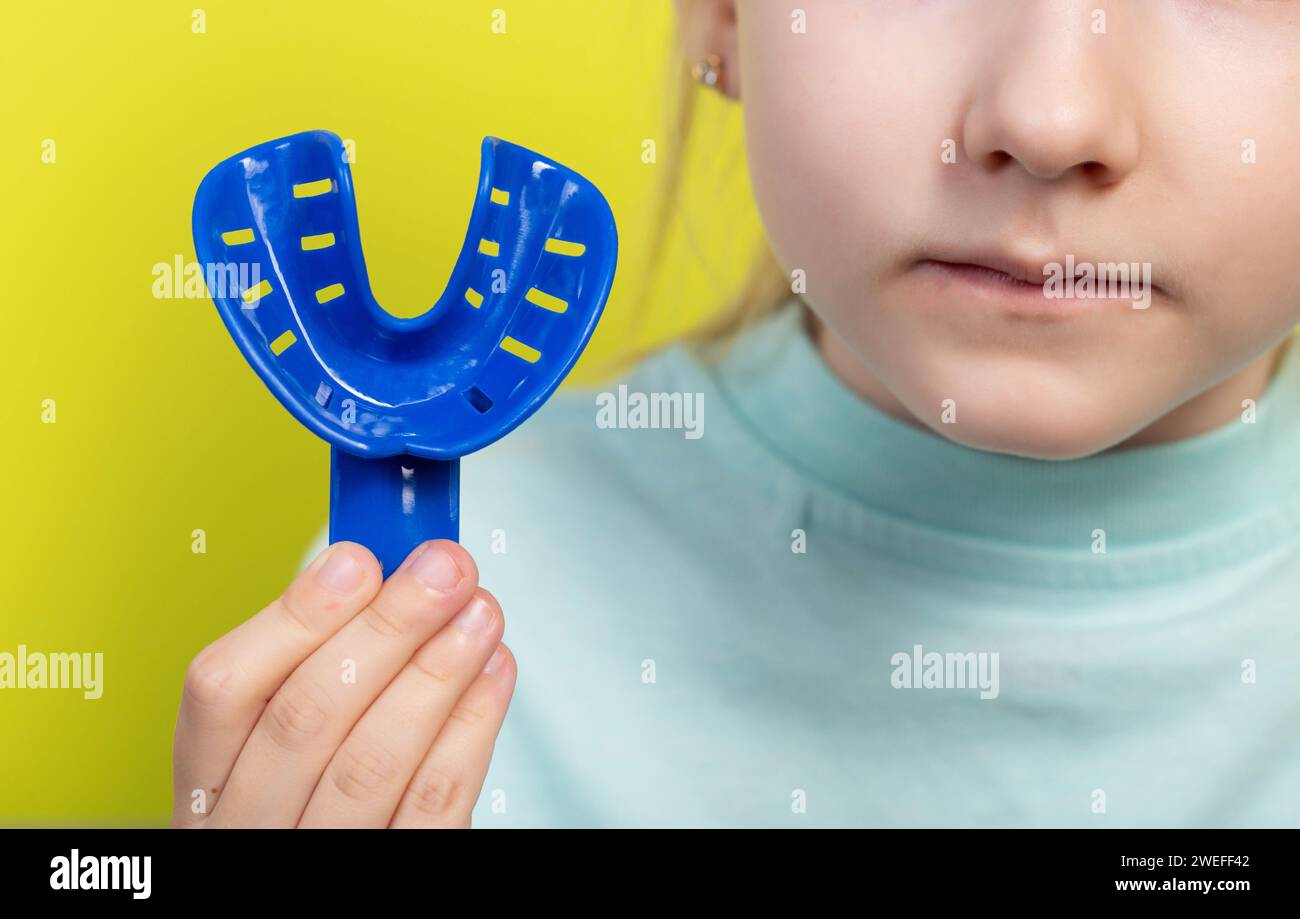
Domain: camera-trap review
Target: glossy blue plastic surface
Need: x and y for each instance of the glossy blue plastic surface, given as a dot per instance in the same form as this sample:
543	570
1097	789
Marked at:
397	395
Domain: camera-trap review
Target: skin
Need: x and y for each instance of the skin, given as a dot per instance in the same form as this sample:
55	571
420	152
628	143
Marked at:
272	732
1123	146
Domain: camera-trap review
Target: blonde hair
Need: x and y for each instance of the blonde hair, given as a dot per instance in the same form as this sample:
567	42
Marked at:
765	286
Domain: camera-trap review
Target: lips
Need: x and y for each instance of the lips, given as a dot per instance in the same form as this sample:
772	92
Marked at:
1020	284
1013	270
997	267
985	274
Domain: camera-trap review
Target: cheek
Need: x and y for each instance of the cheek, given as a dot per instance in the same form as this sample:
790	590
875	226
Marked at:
836	152
1223	193
1251	286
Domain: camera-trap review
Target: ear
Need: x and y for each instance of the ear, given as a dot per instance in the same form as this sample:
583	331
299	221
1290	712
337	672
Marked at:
709	27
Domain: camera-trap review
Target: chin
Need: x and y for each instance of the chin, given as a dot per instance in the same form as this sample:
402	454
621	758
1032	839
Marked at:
1041	444
1043	428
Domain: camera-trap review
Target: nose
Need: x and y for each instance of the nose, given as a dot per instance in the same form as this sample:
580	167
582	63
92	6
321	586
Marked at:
1053	96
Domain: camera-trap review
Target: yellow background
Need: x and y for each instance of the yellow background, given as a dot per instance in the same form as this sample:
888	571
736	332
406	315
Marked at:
161	427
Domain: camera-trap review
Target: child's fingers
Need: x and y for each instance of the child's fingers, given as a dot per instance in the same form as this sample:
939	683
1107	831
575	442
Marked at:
364	780
447	784
313	711
228	683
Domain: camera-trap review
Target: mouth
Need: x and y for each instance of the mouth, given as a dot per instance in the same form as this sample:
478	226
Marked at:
1012	276
1051	287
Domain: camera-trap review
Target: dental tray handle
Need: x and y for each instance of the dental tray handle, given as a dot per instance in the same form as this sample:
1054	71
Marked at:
392	504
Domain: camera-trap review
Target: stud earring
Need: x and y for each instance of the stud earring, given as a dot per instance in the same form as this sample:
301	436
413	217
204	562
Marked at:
708	71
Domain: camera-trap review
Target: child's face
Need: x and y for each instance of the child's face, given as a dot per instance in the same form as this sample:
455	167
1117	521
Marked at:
1166	135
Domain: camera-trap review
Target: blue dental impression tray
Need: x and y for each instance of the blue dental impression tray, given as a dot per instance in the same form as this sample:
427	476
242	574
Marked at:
400	401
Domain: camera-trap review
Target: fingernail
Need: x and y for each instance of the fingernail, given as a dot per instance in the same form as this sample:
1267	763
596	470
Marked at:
496	660
437	569
341	573
475	617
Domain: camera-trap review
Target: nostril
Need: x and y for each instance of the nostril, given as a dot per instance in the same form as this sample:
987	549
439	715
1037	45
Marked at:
1095	171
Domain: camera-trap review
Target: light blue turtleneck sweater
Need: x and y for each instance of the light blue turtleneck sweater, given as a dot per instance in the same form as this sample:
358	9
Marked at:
817	615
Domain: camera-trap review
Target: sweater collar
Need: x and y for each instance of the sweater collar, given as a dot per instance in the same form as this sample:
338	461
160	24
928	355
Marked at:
1239	482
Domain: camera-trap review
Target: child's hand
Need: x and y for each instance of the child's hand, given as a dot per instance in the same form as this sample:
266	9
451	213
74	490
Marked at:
349	701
